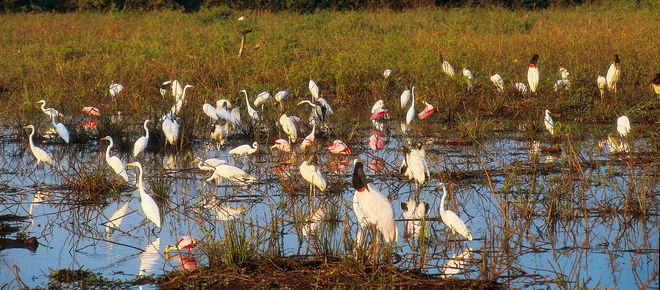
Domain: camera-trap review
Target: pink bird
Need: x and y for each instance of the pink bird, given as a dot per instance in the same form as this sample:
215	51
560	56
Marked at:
378	133
377	114
376	143
90	125
185	242
426	112
377	164
187	262
309	140
282	145
338	147
294	119
90	111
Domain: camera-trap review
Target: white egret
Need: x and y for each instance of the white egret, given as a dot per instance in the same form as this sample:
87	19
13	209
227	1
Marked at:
414	166
232	173
61	129
209	164
115	89
452	220
141	142
38	153
171	129
312	175
447	69
314	89
405	98
533	74
289	128
371	207
497	80
179	103
623	126
245	150
251	112
456	263
149	206
467	74
209	110
613	74
655	83
115	163
602	82
415	211
235	116
411	111
386	73
549	123
48	111
520	87
314	221
261	99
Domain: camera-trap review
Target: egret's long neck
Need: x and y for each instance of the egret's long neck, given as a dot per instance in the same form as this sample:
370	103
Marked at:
42	107
141	184
246	99
313	129
52	117
442	201
107	150
183	96
146	130
31	142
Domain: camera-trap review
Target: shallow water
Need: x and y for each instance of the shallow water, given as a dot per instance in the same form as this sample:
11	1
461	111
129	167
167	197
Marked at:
583	245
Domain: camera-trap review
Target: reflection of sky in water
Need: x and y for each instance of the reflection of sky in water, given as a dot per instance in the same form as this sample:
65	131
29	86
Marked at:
74	236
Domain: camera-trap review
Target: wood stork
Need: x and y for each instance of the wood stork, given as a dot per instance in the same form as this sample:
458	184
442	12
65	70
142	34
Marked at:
497	80
655	83
61	129
533	73
411	111
38	153
171	129
251	112
549	123
281	96
467	74
262	98
149	206
451	219
232	173
115	89
309	140
613	74
623	126
209	110
414	212
601	82
209	164
289	128
115	163
371	207
219	133
312	175
386	73
141	142
314	89
338	147
447	69
405	98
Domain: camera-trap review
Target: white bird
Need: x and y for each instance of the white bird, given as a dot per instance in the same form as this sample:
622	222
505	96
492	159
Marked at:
314	221
281	96
655	84
289	128
414	166
549	124
61	129
314	89
115	163
309	140
564	73
48	111
175	86
378	105
171	130
209	164
115	89
623	126
232	173
235	116
223	103
209	110
149	206
467	74
312	175
261	99
497	80
602	82
533	74
321	110
613	74
141	142
447	69
561	84
38	153
416	211
386	73
179	103
371	207
251	112
616	144
456	263
520	87
115	220
411	111
219	133
451	219
405	98
245	150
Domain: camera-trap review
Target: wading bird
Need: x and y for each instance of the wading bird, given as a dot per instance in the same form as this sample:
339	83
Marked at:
281	96
171	129
601	82
405	98
115	163
289	128
245	150
451	219
309	140
427	112
115	89
179	103
623	126
141	142
251	112
312	175
184	243
386	73
61	129
371	207
415	212
447	69
48	111
467	74
281	145
232	173
411	111
655	84
520	87
321	110
497	80
549	123
533	73
376	143
414	166
338	147
219	133
149	206
209	110
176	89
38	153
209	164
613	74
314	89
262	98
314	221
456	263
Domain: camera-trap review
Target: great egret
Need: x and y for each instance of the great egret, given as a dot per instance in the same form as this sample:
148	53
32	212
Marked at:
209	164
38	153
405	98
314	89
262	98
414	211
245	150
115	89
251	112
428	111
232	173
447	69
141	142
235	116
386	73
467	74
115	163
61	129
613	74
533	73
149	206
179	103
414	166
411	111
655	83
451	219
338	147
314	221
549	123
209	110
497	80
312	175
184	243
171	129
376	143
602	82
309	140
456	263
371	207
48	111
289	128
520	87
623	126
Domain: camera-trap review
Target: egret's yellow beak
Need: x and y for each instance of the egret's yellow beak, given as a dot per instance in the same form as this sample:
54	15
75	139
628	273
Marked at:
105	138
26	127
131	164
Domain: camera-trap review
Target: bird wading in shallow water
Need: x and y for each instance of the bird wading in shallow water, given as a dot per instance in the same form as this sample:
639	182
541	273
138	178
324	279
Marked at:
453	222
114	162
149	206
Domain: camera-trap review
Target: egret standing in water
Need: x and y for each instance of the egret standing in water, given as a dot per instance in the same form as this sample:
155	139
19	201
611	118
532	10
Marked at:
149	206
251	112
141	142
38	153
312	175
48	111
245	150
115	163
371	207
171	129
61	129
549	123
451	219
411	111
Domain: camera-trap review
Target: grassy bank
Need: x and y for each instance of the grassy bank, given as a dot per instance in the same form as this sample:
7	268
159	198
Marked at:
70	59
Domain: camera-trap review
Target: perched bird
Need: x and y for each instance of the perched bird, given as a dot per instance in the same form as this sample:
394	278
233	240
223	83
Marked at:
413	210
289	128
428	111
467	74
405	98
184	243
262	98
141	142
312	175
549	124
232	173
281	145
386	73
497	80
371	207
602	82
447	69
209	164
115	163
251	112
613	74
655	83
171	129
38	153
533	73
520	87
149	206
376	143
314	89
411	111
209	110
451	219
338	147
309	140
61	129
623	126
